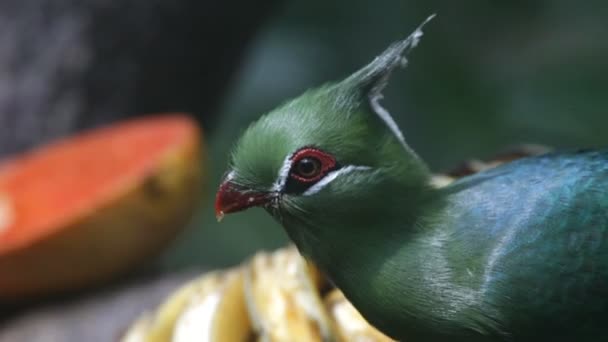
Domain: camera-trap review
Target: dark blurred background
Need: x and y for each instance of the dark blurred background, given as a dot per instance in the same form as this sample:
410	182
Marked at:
485	76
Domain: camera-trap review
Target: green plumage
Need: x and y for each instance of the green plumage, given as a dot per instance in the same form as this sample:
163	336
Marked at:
516	253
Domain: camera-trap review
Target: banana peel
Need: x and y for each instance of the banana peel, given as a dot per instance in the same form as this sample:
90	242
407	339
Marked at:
274	297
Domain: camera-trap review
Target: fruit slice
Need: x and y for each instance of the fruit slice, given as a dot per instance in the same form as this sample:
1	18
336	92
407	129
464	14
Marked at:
349	323
220	315
282	297
208	309
83	209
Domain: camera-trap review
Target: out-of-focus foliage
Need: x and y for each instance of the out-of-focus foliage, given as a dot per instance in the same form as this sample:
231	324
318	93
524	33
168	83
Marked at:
487	74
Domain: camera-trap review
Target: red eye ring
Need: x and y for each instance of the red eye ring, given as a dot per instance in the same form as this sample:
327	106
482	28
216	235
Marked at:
320	161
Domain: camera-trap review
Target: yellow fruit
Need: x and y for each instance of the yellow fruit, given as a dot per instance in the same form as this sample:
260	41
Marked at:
210	308
283	298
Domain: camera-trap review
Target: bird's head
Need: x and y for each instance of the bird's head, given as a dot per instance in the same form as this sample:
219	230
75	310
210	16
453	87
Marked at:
331	153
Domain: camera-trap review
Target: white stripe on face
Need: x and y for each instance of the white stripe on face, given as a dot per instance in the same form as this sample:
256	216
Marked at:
279	184
330	177
229	176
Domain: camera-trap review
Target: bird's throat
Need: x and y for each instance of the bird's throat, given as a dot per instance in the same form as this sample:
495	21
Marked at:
385	268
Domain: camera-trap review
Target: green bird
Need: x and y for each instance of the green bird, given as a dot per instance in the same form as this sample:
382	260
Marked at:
515	253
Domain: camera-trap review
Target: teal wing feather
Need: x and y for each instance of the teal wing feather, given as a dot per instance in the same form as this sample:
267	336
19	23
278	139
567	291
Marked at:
534	233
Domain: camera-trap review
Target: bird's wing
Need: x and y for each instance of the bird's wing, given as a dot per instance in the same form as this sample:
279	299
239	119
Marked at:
540	232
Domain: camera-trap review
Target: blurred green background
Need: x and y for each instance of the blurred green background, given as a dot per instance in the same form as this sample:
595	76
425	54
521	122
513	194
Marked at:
485	76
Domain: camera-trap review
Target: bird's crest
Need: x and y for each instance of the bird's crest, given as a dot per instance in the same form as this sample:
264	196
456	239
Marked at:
373	78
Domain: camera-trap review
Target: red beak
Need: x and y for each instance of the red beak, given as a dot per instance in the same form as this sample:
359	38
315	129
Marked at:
231	198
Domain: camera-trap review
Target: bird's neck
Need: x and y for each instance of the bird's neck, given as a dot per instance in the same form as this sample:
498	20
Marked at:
352	231
390	269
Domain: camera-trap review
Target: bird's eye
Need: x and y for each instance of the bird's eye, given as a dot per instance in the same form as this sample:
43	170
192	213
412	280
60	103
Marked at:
308	167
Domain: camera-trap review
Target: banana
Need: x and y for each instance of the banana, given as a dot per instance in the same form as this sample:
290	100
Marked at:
282	296
351	326
210	308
